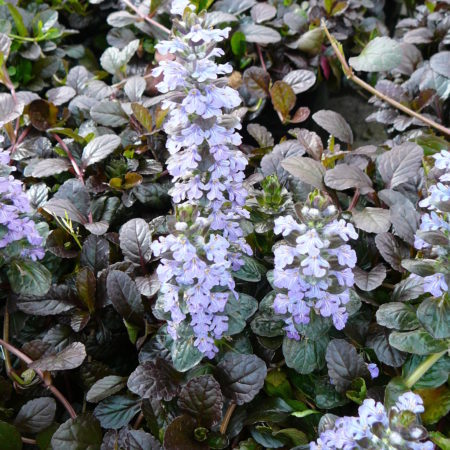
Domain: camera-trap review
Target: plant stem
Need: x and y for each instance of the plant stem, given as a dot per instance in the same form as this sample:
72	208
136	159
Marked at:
422	368
348	71
28	441
261	58
354	200
19	140
27	360
6	338
139	420
63	145
226	419
146	18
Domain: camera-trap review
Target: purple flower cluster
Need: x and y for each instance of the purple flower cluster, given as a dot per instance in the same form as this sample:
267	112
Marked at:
437	220
196	281
206	166
376	428
208	172
313	268
14	226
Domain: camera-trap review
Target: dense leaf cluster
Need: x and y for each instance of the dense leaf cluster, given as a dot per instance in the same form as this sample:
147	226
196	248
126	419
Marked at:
196	252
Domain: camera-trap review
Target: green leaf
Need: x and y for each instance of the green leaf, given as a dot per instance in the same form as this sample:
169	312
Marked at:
436	403
434	315
9	437
252	270
44	438
18	21
36	415
296	437
440	440
305	413
185	355
241	376
398	316
380	54
276	384
83	432
306	355
326	396
105	387
117	411
29	277
417	342
395	388
434	377
99	148
113	59
238	44
201	397
357	391
238	311
421	267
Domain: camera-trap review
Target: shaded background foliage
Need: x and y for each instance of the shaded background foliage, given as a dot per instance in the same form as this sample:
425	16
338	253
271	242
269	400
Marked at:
82	121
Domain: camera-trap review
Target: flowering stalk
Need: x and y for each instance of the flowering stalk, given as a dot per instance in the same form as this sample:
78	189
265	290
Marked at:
313	267
207	170
395	429
17	232
433	238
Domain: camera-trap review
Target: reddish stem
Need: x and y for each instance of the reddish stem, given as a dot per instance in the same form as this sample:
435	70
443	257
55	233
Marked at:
63	145
19	140
27	360
261	58
146	18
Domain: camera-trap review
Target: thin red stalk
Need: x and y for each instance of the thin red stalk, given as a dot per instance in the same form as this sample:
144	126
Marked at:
354	200
146	18
20	139
261	58
27	360
63	145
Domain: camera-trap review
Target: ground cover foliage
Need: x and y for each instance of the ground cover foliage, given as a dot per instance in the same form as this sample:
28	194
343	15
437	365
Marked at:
194	251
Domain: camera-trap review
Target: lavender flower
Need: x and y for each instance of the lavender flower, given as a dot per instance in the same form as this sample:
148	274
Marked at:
396	429
313	268
437	220
373	369
208	171
15	227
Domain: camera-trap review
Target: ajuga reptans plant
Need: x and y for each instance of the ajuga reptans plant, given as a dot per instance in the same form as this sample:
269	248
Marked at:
207	170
